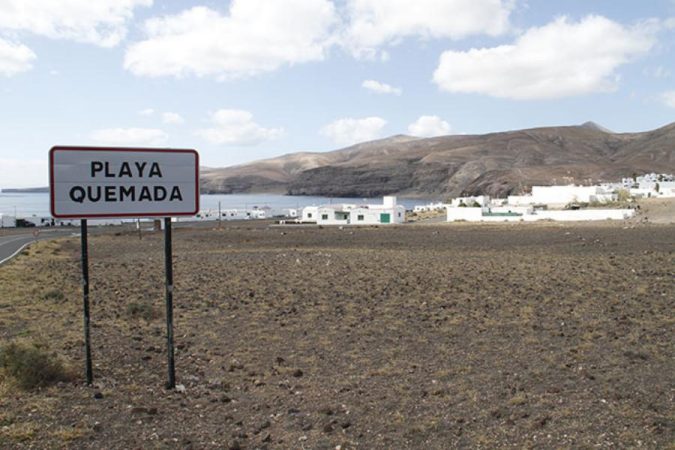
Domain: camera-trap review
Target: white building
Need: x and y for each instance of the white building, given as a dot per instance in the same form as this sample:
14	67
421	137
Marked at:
654	189
651	185
430	207
7	221
389	212
310	214
290	212
559	196
234	214
480	200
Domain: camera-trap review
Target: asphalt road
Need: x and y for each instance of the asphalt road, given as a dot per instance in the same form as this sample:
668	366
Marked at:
12	244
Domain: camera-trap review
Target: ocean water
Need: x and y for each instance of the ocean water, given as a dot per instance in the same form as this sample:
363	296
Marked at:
29	205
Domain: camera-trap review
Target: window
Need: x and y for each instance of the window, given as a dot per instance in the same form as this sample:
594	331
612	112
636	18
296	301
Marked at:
359	217
324	216
399	214
309	215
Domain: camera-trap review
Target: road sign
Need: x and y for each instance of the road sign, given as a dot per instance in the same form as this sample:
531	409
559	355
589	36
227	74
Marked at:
94	182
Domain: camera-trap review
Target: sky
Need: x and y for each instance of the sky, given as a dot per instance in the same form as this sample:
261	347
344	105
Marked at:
243	80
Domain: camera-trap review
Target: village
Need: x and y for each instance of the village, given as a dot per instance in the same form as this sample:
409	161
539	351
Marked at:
606	201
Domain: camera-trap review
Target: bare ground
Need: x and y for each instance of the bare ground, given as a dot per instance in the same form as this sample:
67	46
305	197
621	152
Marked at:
407	337
657	210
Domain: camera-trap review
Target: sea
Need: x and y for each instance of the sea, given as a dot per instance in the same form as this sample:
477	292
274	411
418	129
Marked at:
24	205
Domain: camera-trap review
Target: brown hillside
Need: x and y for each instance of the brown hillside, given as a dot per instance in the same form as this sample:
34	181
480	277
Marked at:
495	164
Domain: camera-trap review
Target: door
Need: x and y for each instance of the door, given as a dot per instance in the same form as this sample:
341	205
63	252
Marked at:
385	218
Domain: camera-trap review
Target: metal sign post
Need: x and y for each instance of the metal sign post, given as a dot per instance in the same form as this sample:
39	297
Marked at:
168	266
104	182
85	298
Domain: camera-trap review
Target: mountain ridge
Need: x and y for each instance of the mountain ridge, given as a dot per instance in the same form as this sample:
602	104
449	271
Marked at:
496	163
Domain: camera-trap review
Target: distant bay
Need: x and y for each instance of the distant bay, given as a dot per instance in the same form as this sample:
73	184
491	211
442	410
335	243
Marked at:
37	204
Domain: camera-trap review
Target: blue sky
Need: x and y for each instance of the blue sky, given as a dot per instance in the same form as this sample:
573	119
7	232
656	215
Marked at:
251	79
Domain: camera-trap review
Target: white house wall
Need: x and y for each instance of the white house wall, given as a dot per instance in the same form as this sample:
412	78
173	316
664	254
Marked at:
310	213
327	216
372	215
562	195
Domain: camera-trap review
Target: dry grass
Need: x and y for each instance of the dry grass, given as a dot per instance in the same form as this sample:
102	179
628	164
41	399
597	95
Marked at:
405	337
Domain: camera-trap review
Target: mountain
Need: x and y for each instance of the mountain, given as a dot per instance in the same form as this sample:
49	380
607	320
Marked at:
594	126
33	190
496	164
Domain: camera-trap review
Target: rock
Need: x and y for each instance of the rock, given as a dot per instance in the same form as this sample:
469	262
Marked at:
541	422
97	427
267	438
180	388
328	428
234	445
327	410
297	373
98	395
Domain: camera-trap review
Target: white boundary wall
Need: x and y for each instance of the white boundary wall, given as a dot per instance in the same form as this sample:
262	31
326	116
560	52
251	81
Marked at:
581	215
476	215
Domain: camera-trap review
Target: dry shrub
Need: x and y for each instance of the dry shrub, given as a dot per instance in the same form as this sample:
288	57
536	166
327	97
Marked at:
32	367
55	295
141	310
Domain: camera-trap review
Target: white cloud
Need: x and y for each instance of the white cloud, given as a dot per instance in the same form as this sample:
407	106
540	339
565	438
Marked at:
352	131
257	36
23	173
14	58
100	22
374	23
146	112
236	127
429	126
668	98
130	136
557	60
172	118
381	88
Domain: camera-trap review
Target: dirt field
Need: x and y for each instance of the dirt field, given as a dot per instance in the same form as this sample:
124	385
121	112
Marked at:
538	336
657	210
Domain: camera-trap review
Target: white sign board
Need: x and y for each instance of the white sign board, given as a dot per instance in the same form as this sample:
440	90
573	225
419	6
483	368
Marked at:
93	182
